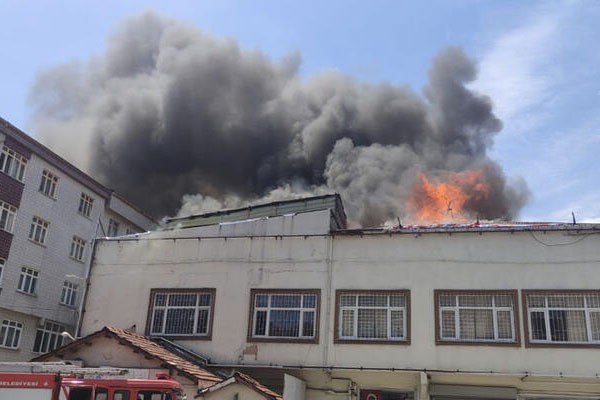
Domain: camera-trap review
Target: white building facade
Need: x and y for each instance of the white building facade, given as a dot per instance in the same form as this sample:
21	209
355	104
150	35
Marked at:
50	213
491	312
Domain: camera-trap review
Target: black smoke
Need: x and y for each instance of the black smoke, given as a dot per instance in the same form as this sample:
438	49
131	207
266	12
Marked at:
170	116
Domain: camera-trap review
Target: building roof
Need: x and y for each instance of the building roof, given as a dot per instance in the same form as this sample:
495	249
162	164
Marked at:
142	344
247	381
332	202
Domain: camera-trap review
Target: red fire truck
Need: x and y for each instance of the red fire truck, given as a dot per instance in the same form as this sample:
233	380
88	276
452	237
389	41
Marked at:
56	386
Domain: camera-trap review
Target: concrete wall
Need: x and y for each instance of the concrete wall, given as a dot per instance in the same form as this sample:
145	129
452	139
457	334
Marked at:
126	271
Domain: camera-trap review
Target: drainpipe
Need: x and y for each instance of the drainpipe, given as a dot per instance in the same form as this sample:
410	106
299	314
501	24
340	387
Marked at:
86	283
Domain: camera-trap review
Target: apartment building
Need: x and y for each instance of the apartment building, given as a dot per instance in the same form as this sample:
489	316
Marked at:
284	293
50	214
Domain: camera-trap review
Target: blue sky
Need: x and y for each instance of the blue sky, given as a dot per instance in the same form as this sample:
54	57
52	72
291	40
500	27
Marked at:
538	61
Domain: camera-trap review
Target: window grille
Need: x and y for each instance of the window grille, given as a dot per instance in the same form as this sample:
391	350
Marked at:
372	315
7	216
12	163
85	205
77	248
69	294
48	184
10	334
28	280
38	230
476	316
563	317
284	314
48	337
181	313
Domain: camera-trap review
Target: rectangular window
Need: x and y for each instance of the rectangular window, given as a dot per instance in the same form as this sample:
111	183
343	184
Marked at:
77	248
185	313
476	316
48	337
562	317
69	294
85	205
48	184
284	315
7	216
12	163
372	316
38	230
10	334
28	280
113	227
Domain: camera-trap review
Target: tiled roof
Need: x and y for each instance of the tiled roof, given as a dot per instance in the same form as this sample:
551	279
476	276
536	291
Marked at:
142	344
244	379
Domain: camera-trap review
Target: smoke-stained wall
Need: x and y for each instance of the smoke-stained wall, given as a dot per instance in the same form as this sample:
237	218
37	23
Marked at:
170	116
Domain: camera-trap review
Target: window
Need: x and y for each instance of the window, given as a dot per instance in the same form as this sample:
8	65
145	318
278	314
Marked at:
48	184
567	317
372	316
69	294
113	227
85	205
48	337
77	248
7	216
285	315
38	230
476	316
181	313
10	334
28	280
12	163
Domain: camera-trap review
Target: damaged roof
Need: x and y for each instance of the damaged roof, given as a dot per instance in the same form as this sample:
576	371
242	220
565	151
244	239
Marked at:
247	381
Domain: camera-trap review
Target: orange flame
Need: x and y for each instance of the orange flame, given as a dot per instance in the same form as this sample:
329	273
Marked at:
445	199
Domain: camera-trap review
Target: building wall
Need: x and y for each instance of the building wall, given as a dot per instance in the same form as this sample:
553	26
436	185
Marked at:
52	259
125	271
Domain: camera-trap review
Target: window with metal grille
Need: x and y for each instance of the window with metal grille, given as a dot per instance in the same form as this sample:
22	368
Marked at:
181	313
10	334
69	294
284	314
12	163
7	216
476	316
48	337
77	248
48	183
567	317
372	315
28	280
85	205
38	230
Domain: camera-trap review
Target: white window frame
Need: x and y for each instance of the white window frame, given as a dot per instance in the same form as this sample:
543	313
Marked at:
589	309
77	251
163	312
38	231
28	280
402	308
48	184
494	308
266	321
69	293
12	163
10	334
113	227
86	203
48	337
8	214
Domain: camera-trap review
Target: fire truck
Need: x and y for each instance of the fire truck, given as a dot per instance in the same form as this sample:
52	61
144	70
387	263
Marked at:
66	383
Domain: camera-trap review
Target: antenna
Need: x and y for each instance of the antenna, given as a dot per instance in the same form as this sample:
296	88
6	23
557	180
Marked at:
449	210
573	215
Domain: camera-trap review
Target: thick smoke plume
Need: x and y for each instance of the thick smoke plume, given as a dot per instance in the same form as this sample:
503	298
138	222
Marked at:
170	116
